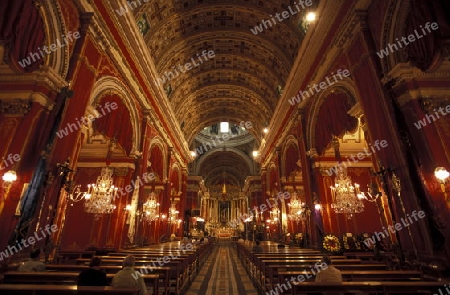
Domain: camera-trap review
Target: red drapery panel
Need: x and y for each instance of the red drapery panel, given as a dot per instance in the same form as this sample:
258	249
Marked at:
115	124
290	162
333	119
157	158
175	179
422	51
22	27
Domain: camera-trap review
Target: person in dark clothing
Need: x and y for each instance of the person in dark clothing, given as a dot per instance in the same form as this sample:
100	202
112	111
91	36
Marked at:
93	276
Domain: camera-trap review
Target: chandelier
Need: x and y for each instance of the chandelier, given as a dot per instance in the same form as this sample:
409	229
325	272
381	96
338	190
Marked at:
346	197
101	195
274	213
299	210
151	208
173	213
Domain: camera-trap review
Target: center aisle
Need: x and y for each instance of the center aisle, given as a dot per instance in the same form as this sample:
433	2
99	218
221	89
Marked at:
222	274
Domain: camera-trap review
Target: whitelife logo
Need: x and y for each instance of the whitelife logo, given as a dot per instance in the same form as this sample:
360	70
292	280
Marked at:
411	38
284	15
225	136
360	156
300	278
262	208
187	66
31	240
297	99
53	47
162	261
397	226
83	120
422	123
11	158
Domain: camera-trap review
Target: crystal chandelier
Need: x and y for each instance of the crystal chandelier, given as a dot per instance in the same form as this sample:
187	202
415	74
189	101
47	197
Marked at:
275	212
173	213
101	195
151	208
299	210
345	195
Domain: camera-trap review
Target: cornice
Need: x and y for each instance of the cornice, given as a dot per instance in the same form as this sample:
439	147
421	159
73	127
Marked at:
405	72
101	164
45	76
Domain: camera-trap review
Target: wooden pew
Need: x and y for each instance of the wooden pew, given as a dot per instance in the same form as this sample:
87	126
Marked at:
275	269
266	272
369	287
163	271
72	255
64	278
366	275
177	266
11	289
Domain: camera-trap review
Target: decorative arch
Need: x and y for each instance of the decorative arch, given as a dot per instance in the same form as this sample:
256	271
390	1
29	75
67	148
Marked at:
230	149
403	19
290	156
23	30
54	29
272	177
393	27
346	87
113	86
157	158
175	176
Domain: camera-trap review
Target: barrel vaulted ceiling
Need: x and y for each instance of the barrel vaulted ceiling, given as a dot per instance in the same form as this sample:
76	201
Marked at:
240	81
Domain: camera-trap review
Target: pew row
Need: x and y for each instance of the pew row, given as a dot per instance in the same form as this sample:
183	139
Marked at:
65	278
369	287
12	289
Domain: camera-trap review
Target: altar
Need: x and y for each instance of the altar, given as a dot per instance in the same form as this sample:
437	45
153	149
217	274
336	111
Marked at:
224	233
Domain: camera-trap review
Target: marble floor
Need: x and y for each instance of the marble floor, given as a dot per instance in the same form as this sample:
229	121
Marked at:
222	274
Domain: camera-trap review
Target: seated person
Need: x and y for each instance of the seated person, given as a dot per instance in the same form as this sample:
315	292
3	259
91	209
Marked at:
33	264
257	248
93	276
128	277
329	274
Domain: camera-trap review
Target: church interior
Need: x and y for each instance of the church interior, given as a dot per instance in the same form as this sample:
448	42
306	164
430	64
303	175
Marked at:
227	145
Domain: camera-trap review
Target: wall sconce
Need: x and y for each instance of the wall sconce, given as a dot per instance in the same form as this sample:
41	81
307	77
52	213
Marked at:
8	179
442	174
317	207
